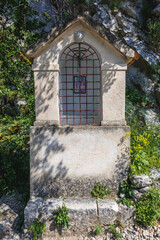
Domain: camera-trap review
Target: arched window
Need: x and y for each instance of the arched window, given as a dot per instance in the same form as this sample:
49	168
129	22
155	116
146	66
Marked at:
79	86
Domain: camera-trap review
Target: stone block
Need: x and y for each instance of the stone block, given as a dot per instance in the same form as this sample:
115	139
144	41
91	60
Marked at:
50	206
107	210
126	215
31	211
82	212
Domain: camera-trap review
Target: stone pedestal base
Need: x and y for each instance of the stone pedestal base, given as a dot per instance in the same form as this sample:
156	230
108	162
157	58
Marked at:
84	214
69	161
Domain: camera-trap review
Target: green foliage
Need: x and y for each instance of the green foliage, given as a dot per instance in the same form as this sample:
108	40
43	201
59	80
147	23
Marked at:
14	150
20	27
126	189
126	201
146	11
112	4
37	228
153	27
148	209
117	235
145	141
155	73
61	218
137	99
145	151
100	191
98	229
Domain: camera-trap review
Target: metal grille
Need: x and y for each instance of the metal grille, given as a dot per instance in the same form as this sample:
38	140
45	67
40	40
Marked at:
79	86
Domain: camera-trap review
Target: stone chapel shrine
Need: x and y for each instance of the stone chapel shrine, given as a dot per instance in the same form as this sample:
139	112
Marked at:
79	135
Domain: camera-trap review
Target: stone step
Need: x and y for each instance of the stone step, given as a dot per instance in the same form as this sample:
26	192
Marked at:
84	213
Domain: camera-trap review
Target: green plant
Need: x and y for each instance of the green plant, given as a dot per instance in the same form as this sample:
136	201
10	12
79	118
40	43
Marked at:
61	218
98	229
126	201
100	191
126	189
14	151
155	73
119	224
153	27
20	27
148	209
145	140
113	230
37	228
145	151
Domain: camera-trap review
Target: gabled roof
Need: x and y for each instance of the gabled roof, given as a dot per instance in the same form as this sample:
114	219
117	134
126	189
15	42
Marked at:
112	39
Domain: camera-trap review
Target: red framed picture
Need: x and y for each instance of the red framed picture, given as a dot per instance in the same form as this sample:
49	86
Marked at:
79	84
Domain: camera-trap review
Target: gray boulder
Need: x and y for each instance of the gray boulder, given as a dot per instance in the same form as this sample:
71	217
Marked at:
7	219
129	9
126	23
151	117
141	181
141	48
156	10
139	79
137	195
144	190
155	173
21	103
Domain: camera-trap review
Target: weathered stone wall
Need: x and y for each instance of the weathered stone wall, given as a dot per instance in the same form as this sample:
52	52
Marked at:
69	161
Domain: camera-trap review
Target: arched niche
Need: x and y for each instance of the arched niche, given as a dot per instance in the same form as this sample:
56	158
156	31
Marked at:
79	85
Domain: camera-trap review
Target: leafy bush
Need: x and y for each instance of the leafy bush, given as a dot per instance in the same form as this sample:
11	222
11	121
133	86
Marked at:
145	141
98	229
20	27
100	191
145	151
14	151
37	228
153	27
61	218
148	209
